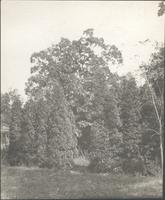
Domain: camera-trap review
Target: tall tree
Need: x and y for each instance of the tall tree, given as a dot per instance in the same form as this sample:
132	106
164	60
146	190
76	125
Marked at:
15	130
129	100
64	76
153	72
150	147
31	126
5	109
161	10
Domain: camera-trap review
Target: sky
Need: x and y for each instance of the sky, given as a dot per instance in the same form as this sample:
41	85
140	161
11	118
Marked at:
31	26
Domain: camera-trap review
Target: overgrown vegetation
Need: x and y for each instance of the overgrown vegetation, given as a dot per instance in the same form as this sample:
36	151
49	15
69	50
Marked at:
76	104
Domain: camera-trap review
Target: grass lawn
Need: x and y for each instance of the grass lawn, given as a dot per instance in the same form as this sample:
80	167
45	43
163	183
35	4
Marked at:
31	183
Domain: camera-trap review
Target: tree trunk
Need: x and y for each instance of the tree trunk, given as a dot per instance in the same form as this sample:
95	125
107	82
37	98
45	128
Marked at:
161	146
159	121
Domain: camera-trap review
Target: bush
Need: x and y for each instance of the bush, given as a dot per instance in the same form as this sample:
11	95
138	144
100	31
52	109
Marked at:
97	165
152	168
134	166
81	161
118	170
15	154
4	160
80	164
45	165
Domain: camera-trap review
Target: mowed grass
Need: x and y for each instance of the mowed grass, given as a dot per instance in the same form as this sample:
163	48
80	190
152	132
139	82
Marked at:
35	183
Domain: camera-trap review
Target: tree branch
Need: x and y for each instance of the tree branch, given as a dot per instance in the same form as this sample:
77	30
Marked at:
153	100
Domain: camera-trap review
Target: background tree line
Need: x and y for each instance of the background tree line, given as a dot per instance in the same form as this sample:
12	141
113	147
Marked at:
77	105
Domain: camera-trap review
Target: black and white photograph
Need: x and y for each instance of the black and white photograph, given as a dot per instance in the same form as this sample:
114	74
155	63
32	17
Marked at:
82	99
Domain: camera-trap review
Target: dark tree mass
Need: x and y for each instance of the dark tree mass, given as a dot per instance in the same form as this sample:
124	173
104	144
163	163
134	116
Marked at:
77	107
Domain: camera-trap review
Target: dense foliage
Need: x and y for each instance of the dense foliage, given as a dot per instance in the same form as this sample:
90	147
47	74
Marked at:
161	10
76	104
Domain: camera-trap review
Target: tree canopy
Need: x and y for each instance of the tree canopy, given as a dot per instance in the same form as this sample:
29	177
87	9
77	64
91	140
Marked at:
76	104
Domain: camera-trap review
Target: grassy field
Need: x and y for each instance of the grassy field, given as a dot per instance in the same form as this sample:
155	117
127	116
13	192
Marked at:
31	183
